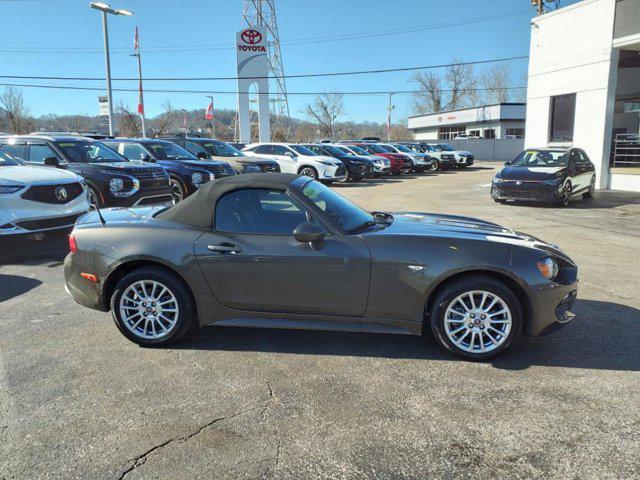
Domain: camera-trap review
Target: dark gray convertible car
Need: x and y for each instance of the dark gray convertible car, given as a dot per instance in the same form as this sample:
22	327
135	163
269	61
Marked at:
284	251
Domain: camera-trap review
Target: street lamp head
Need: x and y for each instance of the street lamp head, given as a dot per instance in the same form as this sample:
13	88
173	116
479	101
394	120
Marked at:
100	6
123	11
107	9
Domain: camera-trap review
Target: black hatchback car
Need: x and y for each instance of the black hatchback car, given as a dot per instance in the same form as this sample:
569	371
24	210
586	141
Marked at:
546	175
113	180
357	167
186	171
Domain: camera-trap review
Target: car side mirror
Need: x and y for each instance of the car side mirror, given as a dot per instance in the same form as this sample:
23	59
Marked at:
507	163
202	155
148	158
308	233
51	162
290	154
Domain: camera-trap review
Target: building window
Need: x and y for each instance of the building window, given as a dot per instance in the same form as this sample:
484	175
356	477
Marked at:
474	133
447	133
563	112
489	133
515	132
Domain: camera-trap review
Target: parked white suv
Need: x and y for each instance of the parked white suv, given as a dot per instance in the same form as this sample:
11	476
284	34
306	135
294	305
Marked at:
444	151
294	158
38	199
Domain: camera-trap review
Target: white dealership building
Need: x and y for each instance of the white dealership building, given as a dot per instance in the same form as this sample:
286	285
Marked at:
584	86
503	120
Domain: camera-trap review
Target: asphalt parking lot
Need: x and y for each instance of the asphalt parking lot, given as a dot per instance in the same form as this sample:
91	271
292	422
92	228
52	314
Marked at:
77	400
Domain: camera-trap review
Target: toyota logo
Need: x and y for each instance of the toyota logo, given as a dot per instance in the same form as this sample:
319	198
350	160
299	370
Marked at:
251	37
519	182
61	194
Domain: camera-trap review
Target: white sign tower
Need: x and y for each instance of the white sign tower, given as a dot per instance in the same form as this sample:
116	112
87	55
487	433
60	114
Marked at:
253	68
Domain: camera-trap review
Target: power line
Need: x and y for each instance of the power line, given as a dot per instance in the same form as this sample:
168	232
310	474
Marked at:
302	75
293	42
230	92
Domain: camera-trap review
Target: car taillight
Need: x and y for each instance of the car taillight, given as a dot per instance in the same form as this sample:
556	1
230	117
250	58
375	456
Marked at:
73	247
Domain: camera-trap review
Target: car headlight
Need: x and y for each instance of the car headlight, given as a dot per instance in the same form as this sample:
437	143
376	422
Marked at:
116	184
548	268
10	188
498	180
327	163
196	178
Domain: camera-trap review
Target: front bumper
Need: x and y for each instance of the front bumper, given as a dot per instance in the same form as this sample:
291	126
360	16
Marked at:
529	191
334	173
552	309
466	160
144	196
19	216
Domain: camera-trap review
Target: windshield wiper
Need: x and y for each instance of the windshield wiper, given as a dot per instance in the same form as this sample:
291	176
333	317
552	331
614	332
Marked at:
369	223
379	218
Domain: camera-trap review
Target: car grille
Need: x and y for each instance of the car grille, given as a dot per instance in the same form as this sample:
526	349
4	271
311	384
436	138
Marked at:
273	168
155	200
220	170
406	162
150	177
522	193
47	193
48	223
341	171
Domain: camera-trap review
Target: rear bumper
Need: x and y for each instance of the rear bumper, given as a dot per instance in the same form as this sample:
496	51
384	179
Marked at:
83	291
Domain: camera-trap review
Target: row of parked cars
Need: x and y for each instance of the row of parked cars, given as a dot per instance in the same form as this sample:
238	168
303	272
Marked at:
125	172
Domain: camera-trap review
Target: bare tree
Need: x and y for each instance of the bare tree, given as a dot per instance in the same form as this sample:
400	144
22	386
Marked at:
15	111
430	97
128	121
462	85
495	84
325	110
166	121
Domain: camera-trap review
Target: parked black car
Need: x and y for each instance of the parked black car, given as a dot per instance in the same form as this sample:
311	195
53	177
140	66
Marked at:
113	180
546	175
357	167
285	251
186	171
215	149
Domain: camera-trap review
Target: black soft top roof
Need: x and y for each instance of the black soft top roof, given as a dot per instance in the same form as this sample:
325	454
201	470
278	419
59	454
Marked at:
198	209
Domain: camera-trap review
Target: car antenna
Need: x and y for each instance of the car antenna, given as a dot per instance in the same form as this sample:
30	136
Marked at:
102	221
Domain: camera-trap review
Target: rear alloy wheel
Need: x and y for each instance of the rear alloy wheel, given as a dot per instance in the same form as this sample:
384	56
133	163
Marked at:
476	317
309	172
435	166
177	190
565	196
592	189
152	307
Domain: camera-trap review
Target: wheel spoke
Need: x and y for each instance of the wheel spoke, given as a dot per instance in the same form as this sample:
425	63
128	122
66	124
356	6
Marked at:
458	330
472	341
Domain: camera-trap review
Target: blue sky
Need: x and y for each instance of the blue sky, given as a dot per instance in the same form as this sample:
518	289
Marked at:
43	37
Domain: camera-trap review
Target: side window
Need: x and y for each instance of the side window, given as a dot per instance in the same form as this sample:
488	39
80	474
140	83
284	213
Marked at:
15	149
584	158
133	151
266	149
196	148
279	150
574	156
39	151
258	211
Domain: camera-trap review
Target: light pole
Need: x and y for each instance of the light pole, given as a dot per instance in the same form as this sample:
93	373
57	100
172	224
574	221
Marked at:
141	98
104	8
389	109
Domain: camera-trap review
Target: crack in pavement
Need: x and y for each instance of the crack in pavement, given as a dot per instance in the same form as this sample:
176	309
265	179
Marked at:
142	458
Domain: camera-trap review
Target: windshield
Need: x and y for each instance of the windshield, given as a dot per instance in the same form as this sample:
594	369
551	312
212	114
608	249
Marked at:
222	149
445	147
358	150
345	151
84	151
541	158
304	150
387	148
403	148
414	148
341	211
170	151
377	149
7	161
334	150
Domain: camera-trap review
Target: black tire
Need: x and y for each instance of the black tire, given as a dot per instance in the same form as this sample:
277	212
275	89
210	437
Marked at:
589	194
357	178
565	196
178	189
450	291
500	200
435	165
186	318
94	198
308	172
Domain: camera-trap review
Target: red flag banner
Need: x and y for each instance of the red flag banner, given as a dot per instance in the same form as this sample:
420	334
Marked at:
136	40
209	113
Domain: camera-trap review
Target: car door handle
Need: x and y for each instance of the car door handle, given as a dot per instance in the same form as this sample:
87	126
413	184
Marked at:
225	248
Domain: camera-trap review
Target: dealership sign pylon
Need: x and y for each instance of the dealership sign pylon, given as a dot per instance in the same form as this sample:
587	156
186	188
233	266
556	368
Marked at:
253	68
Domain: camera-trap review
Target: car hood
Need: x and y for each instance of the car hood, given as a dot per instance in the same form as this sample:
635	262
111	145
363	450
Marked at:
32	175
462	152
203	163
325	158
529	173
130	167
356	158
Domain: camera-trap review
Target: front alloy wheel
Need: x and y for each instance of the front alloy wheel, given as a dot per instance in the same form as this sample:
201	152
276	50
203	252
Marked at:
177	190
435	166
309	172
565	195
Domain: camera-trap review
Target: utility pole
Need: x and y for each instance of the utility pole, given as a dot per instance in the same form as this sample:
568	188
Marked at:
140	99
104	9
389	110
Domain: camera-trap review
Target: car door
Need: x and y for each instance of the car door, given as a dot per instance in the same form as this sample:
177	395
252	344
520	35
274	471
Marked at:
587	169
287	158
252	261
38	151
